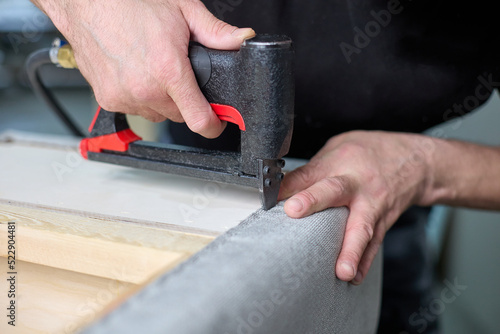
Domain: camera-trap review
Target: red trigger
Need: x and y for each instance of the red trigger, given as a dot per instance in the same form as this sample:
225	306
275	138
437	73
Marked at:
229	114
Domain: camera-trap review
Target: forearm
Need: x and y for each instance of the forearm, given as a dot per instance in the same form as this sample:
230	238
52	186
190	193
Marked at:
463	174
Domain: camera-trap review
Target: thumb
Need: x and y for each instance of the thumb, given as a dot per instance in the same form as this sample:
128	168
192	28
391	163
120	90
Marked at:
213	33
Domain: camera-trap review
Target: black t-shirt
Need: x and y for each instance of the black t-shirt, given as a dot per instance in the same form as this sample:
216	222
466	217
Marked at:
386	65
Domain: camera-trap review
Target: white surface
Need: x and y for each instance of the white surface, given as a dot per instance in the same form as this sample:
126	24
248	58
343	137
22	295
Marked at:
48	171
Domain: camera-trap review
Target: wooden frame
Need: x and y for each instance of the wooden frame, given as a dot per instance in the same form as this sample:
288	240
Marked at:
71	268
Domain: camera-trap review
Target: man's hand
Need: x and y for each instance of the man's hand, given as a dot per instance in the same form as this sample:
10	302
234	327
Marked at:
378	175
134	54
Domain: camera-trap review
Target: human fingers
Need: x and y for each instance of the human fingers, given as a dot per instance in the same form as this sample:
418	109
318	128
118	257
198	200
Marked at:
328	192
359	233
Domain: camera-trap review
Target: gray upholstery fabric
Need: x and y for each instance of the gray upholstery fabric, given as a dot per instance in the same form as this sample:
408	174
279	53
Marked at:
270	274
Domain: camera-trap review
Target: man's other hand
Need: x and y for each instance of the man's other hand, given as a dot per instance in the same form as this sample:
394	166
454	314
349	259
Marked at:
377	175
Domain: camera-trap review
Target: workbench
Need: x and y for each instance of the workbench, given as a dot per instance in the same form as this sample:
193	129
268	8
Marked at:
90	237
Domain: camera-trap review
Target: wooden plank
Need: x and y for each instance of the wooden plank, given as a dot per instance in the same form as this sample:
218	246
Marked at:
107	249
56	301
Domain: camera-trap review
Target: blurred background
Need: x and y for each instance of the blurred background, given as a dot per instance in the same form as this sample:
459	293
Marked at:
465	244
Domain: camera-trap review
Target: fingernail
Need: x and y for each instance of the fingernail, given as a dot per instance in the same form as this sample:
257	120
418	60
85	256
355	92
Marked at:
244	33
295	204
348	268
357	280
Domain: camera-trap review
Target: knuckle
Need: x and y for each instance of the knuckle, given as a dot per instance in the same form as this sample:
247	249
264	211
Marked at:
156	118
366	229
173	77
309	198
349	149
150	117
173	72
141	92
176	85
373	176
371	212
109	102
199	123
333	141
169	74
352	255
363	230
219	27
355	133
304	174
337	184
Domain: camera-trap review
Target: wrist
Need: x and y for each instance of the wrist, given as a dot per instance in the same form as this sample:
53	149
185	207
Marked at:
438	172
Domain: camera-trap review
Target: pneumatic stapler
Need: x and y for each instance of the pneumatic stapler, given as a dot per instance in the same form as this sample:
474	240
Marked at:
252	87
